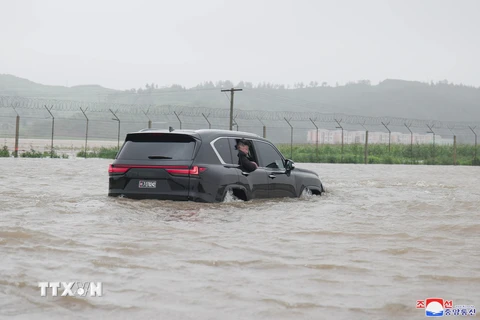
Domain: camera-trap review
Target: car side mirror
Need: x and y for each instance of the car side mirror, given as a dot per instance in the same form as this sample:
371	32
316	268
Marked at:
289	165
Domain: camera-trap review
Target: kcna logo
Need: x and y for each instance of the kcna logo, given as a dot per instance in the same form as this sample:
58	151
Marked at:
79	289
437	307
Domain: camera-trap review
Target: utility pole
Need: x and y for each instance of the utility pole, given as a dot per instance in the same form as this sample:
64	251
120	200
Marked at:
231	103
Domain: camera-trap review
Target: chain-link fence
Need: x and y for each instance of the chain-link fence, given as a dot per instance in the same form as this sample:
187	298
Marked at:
55	124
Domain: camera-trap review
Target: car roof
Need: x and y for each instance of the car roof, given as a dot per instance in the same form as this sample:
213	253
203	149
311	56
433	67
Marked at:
202	133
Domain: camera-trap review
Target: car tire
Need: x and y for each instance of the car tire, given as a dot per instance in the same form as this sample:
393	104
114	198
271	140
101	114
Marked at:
234	194
307	192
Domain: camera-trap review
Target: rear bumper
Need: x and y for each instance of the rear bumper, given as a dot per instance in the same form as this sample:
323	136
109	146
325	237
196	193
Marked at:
133	195
173	196
196	189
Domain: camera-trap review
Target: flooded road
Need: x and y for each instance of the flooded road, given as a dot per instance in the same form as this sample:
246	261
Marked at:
382	238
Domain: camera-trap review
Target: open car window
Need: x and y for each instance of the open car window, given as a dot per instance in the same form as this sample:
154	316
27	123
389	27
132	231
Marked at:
233	147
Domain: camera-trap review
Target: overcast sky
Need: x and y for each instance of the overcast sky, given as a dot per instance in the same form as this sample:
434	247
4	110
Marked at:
125	44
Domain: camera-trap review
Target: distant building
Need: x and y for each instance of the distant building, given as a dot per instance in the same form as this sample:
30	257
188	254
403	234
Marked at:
351	137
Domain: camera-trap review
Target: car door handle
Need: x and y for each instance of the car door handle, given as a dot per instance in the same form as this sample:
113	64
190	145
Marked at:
245	173
272	176
231	166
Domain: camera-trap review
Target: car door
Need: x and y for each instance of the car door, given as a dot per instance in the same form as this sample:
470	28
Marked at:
255	182
280	183
226	172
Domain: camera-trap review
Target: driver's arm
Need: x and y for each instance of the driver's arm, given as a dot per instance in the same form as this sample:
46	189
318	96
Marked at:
247	164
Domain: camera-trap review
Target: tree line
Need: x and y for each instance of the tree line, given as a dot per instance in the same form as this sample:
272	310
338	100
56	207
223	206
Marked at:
222	84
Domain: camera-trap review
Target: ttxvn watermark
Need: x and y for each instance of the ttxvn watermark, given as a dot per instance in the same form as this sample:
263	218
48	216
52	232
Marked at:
71	289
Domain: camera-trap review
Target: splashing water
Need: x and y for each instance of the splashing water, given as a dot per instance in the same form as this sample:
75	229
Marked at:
307	194
230	197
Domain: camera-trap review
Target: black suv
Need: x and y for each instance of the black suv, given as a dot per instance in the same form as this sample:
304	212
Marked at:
202	165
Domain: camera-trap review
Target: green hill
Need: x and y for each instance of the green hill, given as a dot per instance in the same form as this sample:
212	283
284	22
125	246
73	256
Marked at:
14	86
395	98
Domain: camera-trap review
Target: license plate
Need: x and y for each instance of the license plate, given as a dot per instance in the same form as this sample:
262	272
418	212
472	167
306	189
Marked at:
147	184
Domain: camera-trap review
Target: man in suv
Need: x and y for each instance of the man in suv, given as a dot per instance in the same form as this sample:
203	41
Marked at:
203	165
243	157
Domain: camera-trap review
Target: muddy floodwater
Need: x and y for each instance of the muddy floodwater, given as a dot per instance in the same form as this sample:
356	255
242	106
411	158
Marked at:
383	237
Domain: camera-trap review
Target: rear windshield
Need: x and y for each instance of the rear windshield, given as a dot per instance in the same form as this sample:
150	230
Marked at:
157	146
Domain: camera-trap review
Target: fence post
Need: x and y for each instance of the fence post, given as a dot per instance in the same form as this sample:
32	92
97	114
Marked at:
53	128
86	130
316	138
235	123
264	128
475	150
178	117
17	133
454	150
366	143
366	147
149	120
431	131
411	141
340	127
389	134
454	146
291	137
118	133
206	118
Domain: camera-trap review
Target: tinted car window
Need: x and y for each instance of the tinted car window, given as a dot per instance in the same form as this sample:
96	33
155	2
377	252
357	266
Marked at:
233	150
268	156
223	148
157	146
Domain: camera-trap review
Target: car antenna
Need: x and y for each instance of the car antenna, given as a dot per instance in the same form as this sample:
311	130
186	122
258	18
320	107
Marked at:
170	129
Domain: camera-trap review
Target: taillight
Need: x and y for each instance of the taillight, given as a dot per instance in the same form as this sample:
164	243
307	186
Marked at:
112	169
194	171
175	170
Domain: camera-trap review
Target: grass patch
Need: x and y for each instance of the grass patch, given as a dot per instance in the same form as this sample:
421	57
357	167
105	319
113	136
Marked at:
4	152
103	153
380	154
32	153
